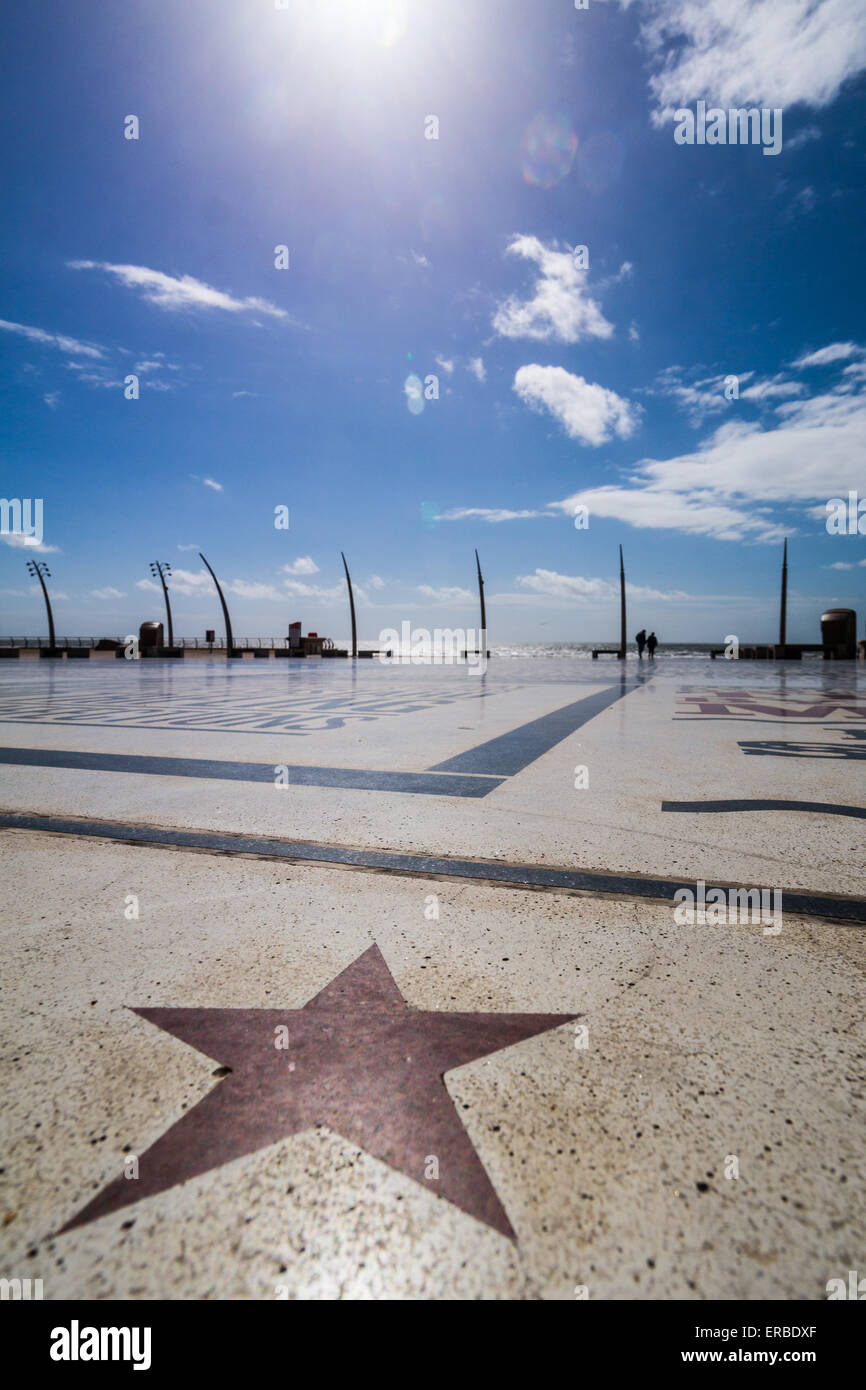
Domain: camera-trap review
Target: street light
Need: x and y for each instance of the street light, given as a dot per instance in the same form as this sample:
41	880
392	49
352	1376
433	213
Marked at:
228	621
39	570
161	569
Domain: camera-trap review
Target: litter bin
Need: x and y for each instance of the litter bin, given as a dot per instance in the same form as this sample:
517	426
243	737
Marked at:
839	634
150	638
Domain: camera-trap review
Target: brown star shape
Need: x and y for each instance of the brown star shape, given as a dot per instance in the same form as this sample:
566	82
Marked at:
358	1060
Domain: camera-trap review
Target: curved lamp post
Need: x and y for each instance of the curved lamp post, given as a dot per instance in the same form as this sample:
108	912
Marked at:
783	609
159	569
229	639
352	608
622	625
483	611
38	569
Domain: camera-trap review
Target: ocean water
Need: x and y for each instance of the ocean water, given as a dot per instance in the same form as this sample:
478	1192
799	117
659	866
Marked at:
570	651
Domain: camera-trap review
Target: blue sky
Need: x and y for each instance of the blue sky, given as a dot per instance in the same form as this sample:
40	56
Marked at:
559	385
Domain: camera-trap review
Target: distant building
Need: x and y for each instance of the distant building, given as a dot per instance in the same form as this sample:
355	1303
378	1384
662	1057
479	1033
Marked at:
311	645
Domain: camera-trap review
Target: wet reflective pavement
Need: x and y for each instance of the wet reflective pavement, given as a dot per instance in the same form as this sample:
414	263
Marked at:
180	839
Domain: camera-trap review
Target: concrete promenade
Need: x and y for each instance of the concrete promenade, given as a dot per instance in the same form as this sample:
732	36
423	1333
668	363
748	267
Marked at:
331	980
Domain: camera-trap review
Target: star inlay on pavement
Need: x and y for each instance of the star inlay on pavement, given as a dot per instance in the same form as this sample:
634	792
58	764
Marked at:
356	1059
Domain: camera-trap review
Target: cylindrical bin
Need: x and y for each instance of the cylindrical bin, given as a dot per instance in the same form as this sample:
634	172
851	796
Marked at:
150	637
839	634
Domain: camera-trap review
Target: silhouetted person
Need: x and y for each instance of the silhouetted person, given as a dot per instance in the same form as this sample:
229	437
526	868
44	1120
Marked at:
640	638
651	643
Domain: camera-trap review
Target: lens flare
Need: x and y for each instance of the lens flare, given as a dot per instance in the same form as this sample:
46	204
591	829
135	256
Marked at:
414	390
547	150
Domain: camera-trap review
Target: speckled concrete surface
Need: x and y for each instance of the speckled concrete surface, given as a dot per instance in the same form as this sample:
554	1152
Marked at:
645	749
703	1043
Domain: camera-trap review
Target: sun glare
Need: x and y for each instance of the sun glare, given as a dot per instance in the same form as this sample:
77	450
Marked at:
378	23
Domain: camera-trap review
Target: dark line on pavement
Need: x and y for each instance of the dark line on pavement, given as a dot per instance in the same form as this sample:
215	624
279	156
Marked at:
527	876
823	808
356	779
512	752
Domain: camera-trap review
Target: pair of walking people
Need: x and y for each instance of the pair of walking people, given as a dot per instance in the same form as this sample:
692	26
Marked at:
650	643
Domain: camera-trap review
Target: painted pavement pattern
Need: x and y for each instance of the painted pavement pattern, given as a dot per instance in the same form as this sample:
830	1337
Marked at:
316	1039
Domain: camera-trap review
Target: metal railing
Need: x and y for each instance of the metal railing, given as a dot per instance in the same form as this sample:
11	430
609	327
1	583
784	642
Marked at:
60	642
193	643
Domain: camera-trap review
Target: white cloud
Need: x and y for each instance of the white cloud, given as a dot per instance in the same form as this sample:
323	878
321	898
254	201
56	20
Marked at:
94	374
182	582
108	592
560	307
447	595
155	364
477	368
825	356
303	565
669	509
19	541
846	564
208	482
72	346
811	449
586	411
335	594
187	547
625	272
490	514
51	398
376	581
244	589
809	132
706	396
183	292
772	388
752	52
420	259
567	586
697	398
192	583
475	365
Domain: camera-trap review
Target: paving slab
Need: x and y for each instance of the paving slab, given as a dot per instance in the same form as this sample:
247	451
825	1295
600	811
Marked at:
485	1091
655	742
608	1147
